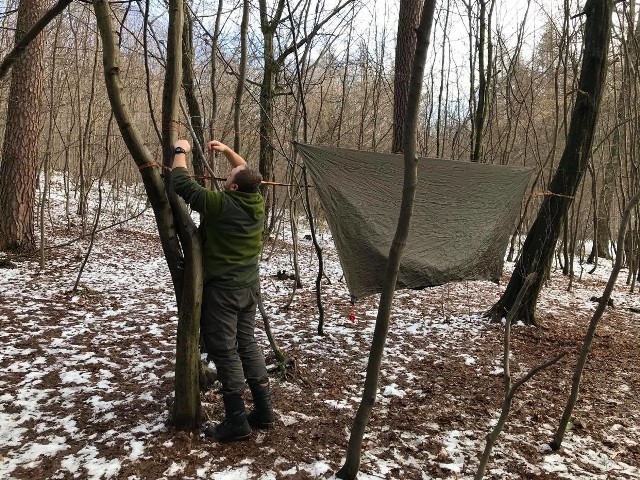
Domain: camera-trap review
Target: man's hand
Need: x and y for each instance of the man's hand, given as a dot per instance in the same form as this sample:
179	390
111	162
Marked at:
183	144
234	159
180	160
216	146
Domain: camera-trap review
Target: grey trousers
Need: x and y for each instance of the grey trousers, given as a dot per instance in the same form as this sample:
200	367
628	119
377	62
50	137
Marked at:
227	324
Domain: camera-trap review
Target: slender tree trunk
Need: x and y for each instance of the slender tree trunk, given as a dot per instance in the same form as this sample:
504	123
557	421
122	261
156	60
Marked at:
352	462
540	243
242	77
593	324
605	198
440	121
485	68
345	88
214	72
47	159
188	83
302	109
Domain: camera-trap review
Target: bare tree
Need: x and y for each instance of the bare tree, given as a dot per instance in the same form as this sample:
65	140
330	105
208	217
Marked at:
352	462
484	48
178	234
29	35
538	248
593	324
188	84
604	198
242	76
270	21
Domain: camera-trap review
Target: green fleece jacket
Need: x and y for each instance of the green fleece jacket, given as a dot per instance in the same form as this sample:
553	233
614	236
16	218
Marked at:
231	225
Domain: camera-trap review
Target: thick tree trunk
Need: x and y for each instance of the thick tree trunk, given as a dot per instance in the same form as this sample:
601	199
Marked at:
19	167
405	49
538	248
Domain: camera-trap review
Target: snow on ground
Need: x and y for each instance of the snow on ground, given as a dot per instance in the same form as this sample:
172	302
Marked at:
86	374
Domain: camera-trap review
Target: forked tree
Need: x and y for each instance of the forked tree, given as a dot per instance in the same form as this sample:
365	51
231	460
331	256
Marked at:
178	234
271	19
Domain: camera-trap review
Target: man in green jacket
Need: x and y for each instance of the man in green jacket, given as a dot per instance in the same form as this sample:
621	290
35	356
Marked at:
232	225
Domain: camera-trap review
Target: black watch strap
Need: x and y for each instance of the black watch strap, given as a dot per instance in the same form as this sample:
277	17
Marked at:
178	150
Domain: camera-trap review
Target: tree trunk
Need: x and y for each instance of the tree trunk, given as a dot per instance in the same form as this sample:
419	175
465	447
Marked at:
19	167
46	169
242	77
176	235
267	133
602	219
352	462
538	248
267	94
485	69
214	71
188	84
405	48
186	407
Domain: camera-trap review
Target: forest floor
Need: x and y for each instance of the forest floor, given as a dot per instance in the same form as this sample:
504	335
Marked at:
86	374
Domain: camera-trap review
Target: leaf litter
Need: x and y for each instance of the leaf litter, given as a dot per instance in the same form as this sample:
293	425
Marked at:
86	374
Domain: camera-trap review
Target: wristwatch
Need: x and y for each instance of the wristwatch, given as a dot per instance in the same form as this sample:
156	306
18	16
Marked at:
178	150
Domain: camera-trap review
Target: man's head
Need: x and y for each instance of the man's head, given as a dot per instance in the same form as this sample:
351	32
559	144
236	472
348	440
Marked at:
243	179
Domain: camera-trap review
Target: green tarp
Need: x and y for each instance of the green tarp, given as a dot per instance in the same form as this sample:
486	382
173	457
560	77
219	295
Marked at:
463	216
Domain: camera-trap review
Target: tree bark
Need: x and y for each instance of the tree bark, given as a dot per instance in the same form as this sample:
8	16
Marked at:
538	248
19	167
188	83
352	462
405	49
176	236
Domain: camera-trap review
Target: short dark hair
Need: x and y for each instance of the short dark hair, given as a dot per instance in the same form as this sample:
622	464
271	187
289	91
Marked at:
248	180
